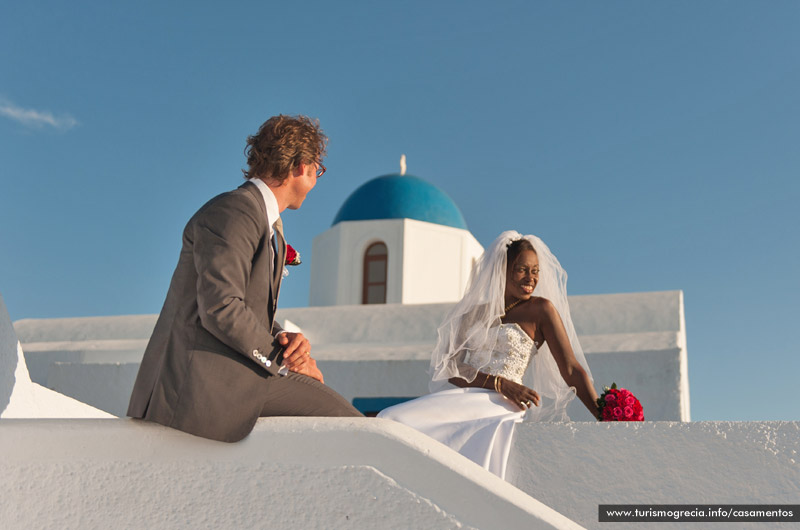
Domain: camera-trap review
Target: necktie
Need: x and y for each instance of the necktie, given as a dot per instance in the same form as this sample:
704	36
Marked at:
280	259
280	253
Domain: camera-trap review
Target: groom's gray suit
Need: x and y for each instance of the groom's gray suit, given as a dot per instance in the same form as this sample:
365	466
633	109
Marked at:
206	369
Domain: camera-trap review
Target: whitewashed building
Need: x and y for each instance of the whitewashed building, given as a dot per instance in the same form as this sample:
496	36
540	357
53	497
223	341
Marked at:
396	239
376	299
375	302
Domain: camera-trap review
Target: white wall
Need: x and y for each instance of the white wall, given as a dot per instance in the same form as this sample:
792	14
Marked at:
364	473
437	261
337	261
304	473
574	467
639	322
427	262
22	398
637	340
326	273
383	350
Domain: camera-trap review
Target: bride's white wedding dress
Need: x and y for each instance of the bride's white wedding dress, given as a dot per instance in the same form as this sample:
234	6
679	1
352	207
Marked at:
479	423
476	422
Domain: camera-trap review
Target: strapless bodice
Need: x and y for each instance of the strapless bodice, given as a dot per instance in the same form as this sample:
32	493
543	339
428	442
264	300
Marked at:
511	356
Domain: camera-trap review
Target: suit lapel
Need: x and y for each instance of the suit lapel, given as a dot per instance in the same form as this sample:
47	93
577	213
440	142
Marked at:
276	266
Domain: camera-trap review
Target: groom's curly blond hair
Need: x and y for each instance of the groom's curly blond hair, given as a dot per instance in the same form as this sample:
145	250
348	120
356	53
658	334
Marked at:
281	144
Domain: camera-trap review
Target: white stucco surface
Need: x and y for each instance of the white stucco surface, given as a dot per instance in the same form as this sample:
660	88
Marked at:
22	398
91	359
304	473
436	262
427	262
366	473
637	340
574	467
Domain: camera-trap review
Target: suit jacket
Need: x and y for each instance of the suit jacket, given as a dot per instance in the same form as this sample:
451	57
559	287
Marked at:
206	365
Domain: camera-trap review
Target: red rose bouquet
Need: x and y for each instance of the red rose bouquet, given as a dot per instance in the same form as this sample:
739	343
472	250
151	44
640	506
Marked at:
618	404
292	256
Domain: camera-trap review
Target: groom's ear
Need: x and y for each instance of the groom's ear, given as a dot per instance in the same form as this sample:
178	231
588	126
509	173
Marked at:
298	170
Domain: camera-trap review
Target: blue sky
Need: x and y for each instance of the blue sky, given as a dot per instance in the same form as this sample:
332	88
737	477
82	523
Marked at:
652	145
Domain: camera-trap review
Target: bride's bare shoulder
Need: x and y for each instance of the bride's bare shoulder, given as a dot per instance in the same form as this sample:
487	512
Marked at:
539	308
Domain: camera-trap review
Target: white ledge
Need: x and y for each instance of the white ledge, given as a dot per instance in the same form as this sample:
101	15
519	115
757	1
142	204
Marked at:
289	473
368	473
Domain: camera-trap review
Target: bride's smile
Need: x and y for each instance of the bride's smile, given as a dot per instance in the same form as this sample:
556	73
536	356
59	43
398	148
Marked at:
523	275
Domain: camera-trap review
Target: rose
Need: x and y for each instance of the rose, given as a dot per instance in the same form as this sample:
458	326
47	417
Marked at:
292	256
619	404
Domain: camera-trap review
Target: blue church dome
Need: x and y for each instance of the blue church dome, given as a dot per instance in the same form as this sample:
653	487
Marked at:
401	197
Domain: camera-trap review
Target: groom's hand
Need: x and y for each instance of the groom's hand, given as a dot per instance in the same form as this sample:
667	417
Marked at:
297	355
310	369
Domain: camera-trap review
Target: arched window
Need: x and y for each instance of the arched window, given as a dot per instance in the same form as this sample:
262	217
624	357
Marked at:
375	259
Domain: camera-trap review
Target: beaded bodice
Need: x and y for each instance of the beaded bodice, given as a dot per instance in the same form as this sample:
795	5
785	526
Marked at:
513	353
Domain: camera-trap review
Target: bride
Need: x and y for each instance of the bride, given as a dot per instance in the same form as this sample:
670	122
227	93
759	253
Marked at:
506	352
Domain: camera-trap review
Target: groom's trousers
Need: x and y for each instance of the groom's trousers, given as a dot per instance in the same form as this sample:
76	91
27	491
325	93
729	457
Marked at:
300	395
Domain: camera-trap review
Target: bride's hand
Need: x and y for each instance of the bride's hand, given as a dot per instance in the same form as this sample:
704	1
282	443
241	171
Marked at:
520	395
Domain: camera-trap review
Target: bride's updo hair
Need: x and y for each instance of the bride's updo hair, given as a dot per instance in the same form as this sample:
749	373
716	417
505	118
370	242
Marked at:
516	247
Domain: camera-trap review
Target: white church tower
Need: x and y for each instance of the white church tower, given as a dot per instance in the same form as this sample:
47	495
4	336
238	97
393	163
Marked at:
397	239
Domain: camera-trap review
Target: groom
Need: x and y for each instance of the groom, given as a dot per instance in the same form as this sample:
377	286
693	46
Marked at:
217	360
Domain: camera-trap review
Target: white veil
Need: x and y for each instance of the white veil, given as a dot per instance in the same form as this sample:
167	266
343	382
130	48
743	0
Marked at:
470	330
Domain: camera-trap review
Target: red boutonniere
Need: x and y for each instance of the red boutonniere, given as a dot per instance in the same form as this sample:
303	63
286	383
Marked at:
292	256
618	404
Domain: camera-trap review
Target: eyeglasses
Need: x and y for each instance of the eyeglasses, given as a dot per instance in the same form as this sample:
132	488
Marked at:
321	170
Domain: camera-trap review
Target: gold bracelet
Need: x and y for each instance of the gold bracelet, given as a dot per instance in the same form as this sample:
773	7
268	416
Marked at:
498	384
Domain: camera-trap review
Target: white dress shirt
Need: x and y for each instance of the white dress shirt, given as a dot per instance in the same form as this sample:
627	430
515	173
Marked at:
273	213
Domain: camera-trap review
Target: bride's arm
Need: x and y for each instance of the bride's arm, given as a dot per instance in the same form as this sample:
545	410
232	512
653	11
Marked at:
518	394
573	373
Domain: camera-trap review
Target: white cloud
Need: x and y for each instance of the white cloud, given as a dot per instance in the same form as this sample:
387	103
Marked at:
36	118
